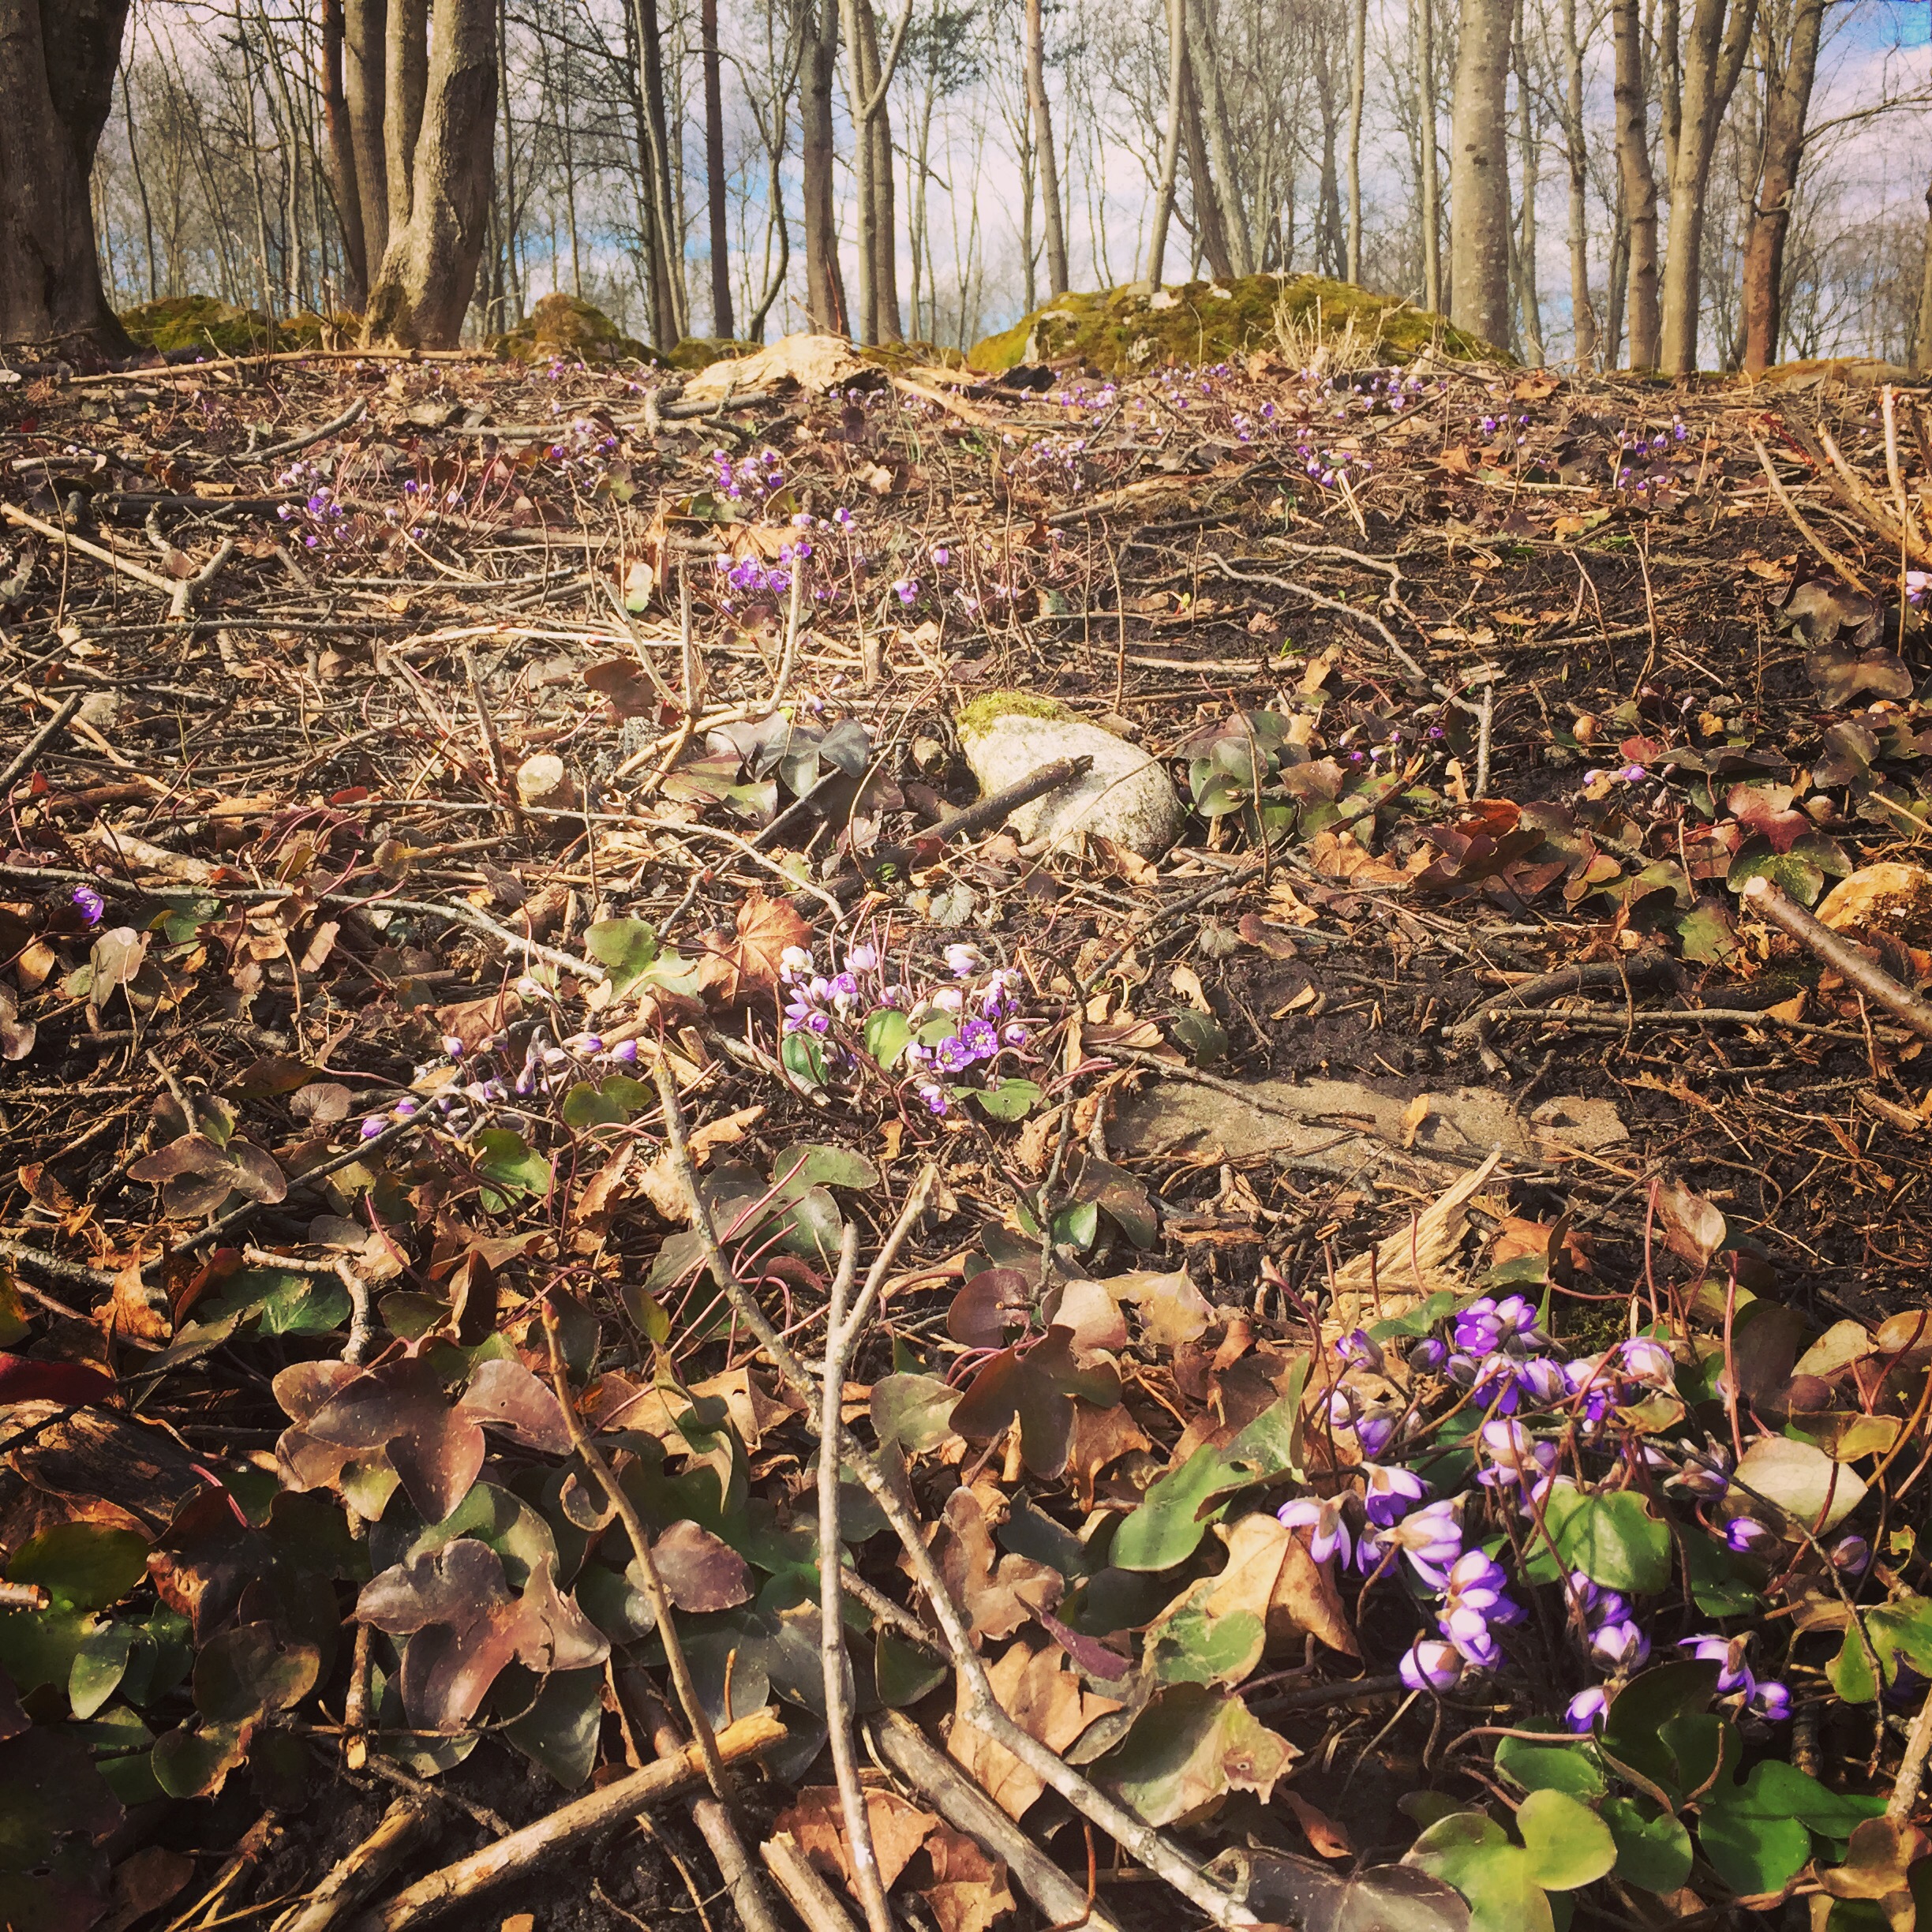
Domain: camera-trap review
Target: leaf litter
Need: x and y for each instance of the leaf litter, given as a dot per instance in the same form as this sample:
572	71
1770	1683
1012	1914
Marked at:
1377	1363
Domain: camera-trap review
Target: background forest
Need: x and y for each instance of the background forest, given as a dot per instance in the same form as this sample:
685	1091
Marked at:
213	174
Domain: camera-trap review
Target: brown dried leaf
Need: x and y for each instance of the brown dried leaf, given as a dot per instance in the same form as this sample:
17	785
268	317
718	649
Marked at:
969	1889
997	1601
701	1572
1041	1691
744	966
817	1820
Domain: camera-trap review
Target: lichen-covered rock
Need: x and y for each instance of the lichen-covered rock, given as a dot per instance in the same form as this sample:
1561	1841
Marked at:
1126	797
205	322
1127	330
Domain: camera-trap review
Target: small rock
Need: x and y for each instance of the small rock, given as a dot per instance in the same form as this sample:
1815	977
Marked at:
1126	797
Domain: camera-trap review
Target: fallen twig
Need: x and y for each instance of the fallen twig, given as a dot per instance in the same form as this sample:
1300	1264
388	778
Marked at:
1843	958
566	1828
809	1896
40	740
153	580
361	1870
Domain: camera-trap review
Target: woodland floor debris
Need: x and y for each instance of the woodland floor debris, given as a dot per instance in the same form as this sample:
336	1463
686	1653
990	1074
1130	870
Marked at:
1417	1268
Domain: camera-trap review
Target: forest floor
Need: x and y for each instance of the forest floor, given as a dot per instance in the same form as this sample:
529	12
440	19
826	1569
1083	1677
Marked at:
402	813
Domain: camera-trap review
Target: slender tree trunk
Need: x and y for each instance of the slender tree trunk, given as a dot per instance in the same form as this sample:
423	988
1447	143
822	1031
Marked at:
824	285
1922	335
1583	316
423	286
365	39
405	75
1529	303
672	322
264	276
1479	197
1638	183
57	73
714	171
1611	342
140	179
1331	244
1211	238
1788	102
1205	63
1713	60
1044	146
1431	181
343	158
886	223
512	214
1358	89
1170	151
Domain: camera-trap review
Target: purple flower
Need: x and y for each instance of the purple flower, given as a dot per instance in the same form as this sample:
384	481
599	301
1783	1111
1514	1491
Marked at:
862	958
941	556
1619	1646
1707	1475
1429	1665
1375	1432
1588	1708
1357	1349
1770	1700
625	1053
1850	1555
1727	1652
1427	1357
88	904
1322	1516
1513	1454
1431	1539
1479	1328
907	590
372	1127
935	1099
978	1039
962	960
1390	1492
1749	1537
1633	774
1014	1035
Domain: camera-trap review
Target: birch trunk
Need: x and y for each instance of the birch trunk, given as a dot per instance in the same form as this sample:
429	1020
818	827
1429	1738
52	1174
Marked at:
1170	152
1358	88
1638	183
1583	316
714	171
1042	114
405	79
1432	182
1479	195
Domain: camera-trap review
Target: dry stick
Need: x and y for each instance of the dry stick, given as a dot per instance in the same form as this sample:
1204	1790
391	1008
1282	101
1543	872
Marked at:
1139	1839
965	1806
842	1332
655	1593
566	1828
789	657
1911	1770
113	559
1842	957
715	1825
185	587
1805	530
499	772
809	1896
353	414
364	1868
40	740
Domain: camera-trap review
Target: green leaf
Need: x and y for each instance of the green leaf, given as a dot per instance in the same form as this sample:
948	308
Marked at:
915	1411
1753	1851
1471	1851
1614	1540
1802	1479
1188	1747
82	1566
903	1671
1192	1647
1202	1036
1076	1227
1633	1732
585	1106
286	1303
99	1666
1569	1845
803	1058
1011	1100
1653	1849
1717	1587
1851	1671
558	1730
626	947
510	1166
887	1033
1569	1767
194	1760
1173	1515
809	1166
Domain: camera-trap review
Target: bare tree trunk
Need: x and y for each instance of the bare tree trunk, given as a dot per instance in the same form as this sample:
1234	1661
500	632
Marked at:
365	39
885	224
1432	183
1612	341
406	77
140	179
714	171
1922	335
1528	302
1713	59
1210	236
1638	183
1583	316
513	276
1788	90
342	158
1358	88
1170	151
1331	245
57	73
1043	147
825	286
1203	62
428	274
667	291
878	305
1479	200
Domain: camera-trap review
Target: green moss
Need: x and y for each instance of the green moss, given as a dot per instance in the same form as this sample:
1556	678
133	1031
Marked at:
199	322
990	707
1124	331
568	326
693	353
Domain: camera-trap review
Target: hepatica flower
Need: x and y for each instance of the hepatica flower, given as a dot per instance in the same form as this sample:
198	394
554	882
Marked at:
1322	1516
1427	1664
88	904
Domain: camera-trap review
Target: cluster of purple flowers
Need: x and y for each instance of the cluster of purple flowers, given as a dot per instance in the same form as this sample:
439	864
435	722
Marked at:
1639	456
1529	1399
1624	774
320	513
759	476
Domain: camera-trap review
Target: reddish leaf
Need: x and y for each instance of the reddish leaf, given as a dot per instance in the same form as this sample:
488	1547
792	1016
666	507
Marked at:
400	1409
507	1396
24	1378
990	1307
700	1571
745	965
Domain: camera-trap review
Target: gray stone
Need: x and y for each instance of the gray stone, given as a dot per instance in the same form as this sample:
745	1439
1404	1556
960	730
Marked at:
1127	797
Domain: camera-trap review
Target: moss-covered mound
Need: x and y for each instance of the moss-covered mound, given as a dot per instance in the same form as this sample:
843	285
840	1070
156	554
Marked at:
1127	329
199	322
569	327
693	353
